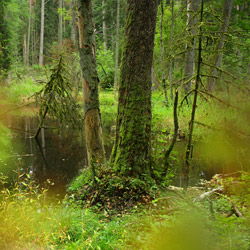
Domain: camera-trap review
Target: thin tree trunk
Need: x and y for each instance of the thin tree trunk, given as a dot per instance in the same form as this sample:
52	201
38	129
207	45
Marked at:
176	128
191	123
34	46
60	22
29	30
131	153
41	34
93	126
192	7
117	46
163	54
248	73
73	22
113	32
218	51
104	28
24	49
171	66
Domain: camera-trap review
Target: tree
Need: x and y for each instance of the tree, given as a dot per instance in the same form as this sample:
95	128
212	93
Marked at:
73	22
218	51
29	31
4	53
41	34
131	153
104	26
60	22
163	54
93	127
192	7
117	45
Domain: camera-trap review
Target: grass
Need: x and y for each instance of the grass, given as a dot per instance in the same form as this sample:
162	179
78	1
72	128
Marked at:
30	220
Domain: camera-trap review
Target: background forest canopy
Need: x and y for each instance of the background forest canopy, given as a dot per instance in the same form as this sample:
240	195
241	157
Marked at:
175	35
106	110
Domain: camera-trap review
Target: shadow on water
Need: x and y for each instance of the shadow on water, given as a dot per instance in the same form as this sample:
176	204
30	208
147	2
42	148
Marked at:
63	151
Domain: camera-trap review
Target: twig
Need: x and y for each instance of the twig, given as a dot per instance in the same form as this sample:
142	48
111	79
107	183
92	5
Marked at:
220	100
208	126
19	107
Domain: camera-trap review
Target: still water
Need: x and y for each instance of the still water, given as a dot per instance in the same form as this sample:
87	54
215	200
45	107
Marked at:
62	156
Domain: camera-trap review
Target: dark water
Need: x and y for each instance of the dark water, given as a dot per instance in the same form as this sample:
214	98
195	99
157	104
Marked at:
62	156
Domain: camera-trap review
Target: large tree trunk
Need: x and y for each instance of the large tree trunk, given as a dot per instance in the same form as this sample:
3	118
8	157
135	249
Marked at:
132	148
104	28
41	34
218	51
93	127
192	8
60	22
117	46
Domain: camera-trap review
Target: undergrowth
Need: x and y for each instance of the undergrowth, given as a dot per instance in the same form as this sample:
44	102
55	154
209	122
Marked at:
111	192
29	219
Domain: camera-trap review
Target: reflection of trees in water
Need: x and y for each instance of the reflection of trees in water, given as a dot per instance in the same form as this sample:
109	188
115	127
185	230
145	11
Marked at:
62	148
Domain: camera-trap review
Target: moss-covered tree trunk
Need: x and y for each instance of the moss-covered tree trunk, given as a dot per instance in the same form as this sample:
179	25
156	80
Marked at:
131	152
93	127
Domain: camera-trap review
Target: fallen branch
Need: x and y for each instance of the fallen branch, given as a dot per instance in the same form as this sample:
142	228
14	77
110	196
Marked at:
207	194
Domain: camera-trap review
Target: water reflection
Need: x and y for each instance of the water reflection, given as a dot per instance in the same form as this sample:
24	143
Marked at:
63	151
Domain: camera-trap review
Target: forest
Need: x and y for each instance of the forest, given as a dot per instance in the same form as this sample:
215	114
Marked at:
125	124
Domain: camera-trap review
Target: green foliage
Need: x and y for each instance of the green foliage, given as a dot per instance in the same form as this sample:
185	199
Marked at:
108	106
178	223
29	220
56	96
21	90
105	67
5	145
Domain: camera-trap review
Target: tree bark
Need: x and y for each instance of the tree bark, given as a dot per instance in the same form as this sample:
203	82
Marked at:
73	23
29	30
41	34
171	66
93	127
192	8
104	28
60	22
131	153
163	55
117	45
218	51
24	49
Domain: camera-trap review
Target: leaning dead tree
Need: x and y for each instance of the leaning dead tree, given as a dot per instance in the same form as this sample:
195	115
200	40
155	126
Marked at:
93	126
